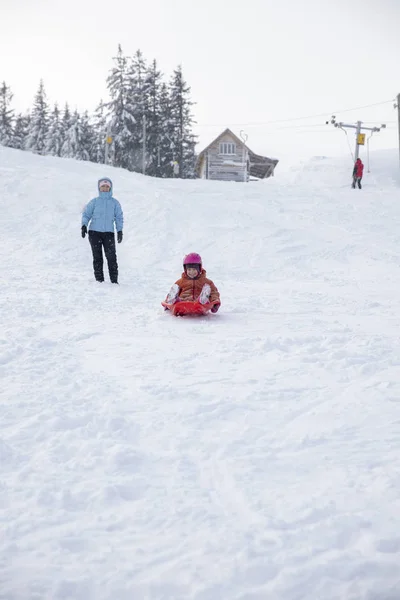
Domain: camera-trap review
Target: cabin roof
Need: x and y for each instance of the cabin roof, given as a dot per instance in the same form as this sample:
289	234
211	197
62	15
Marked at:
227	130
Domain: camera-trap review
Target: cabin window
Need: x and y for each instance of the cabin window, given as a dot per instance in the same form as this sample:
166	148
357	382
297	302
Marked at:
227	148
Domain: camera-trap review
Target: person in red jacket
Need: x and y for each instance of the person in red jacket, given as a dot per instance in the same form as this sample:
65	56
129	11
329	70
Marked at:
357	173
194	285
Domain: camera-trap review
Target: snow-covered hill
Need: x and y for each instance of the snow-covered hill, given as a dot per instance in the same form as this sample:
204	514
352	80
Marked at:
249	455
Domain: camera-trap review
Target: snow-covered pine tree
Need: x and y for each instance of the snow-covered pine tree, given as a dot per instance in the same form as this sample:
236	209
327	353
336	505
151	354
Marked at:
6	115
182	119
87	138
74	145
99	124
66	120
139	102
55	133
167	145
153	83
70	143
189	156
20	133
120	112
38	126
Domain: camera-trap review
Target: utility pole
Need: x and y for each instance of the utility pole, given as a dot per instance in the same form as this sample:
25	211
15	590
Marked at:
398	116
360	137
144	146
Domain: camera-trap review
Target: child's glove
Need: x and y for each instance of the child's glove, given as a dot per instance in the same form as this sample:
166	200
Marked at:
84	230
215	308
119	236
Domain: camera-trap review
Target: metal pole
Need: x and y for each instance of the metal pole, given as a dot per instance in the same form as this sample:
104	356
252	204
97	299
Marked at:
173	158
144	146
107	146
358	131
359	128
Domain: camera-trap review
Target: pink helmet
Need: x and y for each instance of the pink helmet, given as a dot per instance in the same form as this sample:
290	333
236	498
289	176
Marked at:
192	259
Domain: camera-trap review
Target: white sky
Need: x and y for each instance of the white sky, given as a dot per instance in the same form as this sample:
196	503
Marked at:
248	63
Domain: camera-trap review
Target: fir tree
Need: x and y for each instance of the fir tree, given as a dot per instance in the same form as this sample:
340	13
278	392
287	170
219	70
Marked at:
167	143
182	120
55	134
66	119
99	124
138	84
120	112
20	132
153	112
139	101
6	116
73	146
38	125
87	137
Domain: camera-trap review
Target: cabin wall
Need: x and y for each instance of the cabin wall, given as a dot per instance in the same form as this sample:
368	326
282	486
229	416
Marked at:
227	167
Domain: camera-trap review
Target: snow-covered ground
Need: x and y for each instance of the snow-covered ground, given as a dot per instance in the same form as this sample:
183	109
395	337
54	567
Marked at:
249	455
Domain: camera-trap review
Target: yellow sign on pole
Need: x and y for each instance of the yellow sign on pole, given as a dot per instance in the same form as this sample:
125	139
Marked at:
361	139
109	140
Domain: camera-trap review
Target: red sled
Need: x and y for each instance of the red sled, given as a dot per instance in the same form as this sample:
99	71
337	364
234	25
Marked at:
188	307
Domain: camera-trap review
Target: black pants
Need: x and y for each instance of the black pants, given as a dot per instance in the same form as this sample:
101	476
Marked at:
356	180
99	240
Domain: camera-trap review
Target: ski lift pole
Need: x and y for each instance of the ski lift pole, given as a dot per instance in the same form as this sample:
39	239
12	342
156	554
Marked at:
360	137
109	141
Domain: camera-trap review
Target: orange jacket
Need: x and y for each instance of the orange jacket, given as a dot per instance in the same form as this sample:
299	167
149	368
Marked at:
189	289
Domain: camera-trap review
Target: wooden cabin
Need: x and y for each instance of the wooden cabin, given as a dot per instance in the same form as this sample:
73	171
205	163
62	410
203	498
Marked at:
228	158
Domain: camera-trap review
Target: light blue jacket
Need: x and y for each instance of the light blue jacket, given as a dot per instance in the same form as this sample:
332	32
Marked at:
103	212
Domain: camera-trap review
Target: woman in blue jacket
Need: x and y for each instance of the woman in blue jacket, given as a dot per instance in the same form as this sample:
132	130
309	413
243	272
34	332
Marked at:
102	212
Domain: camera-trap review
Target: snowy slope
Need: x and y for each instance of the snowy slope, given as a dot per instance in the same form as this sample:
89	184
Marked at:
249	455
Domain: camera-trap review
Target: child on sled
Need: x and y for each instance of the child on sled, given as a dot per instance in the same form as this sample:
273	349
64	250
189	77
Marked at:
194	285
